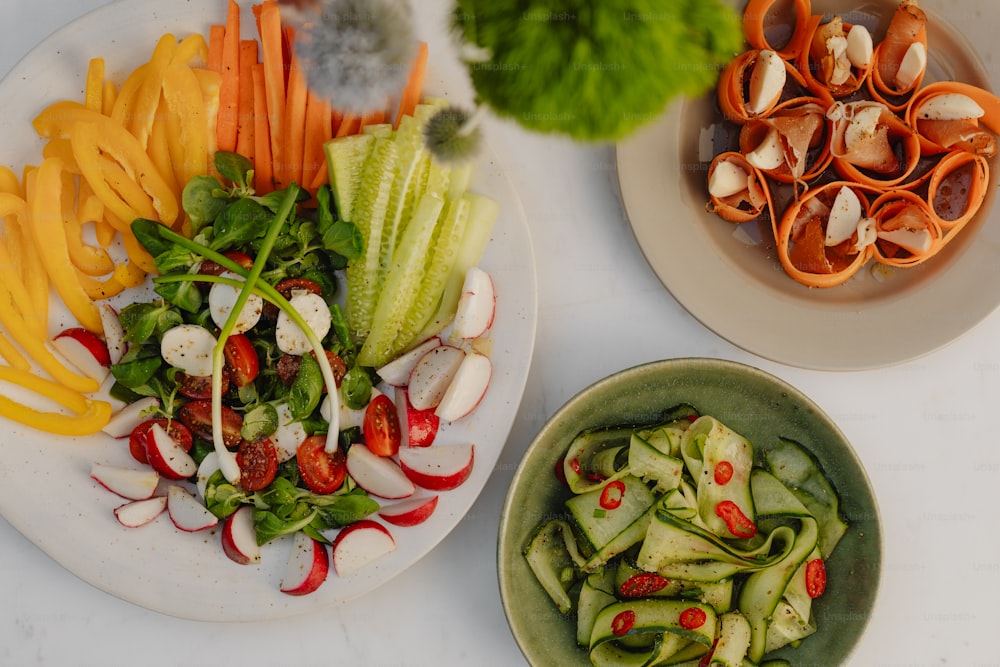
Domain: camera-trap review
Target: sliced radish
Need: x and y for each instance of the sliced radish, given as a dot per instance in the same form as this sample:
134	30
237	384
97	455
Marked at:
420	427
123	422
359	544
439	468
222	299
432	374
208	467
131	483
409	512
289	434
308	566
140	512
467	388
316	313
476	306
114	332
166	456
85	350
396	373
378	475
189	347
239	539
349	417
187	512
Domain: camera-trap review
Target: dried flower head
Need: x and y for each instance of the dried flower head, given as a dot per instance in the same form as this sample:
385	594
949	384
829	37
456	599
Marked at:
452	135
356	53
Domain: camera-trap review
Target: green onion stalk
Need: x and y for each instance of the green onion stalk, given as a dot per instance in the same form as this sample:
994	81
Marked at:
250	285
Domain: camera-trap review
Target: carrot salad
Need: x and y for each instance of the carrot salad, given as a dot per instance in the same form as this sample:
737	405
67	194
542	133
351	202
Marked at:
875	165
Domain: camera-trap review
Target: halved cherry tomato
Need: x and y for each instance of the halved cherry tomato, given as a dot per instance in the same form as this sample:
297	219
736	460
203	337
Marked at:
287	367
242	364
197	416
198	386
137	438
381	426
285	288
258	462
321	471
212	268
421	425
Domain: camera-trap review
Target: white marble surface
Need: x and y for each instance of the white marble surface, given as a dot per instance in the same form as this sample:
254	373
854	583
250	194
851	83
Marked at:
923	429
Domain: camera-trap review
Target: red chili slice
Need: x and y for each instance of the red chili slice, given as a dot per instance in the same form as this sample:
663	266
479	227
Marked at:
706	660
736	521
692	618
642	584
723	472
815	577
575	466
623	622
612	495
560	471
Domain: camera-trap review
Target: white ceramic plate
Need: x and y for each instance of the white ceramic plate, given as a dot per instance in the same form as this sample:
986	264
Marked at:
739	290
45	488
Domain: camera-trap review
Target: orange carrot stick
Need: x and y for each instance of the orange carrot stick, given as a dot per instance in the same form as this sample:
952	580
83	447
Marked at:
414	84
216	35
318	130
273	59
295	115
229	90
245	117
350	124
263	172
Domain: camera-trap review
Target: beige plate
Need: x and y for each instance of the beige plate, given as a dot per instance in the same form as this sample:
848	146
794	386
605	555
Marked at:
736	287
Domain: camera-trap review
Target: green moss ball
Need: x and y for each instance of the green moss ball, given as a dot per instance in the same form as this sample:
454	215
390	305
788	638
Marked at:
594	69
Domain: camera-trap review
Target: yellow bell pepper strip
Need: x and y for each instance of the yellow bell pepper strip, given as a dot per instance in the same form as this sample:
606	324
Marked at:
34	346
182	93
97	288
158	150
91	209
125	98
36	282
147	99
9	182
12	355
211	83
15	210
62	149
47	228
98	140
109	94
91	260
14	252
90	414
191	48
93	92
138	256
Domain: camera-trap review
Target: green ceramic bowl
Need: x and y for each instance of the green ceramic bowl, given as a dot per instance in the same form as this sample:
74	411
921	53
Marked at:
755	404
